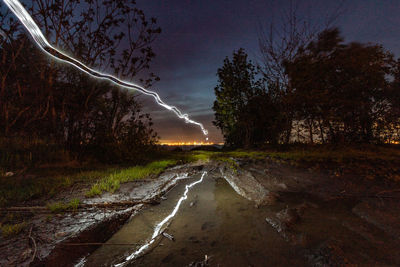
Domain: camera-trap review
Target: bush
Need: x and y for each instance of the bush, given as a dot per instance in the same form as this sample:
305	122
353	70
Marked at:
8	230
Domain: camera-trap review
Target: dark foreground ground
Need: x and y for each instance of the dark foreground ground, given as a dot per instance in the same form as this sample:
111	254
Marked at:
319	207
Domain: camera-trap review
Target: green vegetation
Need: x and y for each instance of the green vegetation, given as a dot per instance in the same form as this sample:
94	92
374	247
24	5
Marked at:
55	177
105	122
352	96
204	156
59	207
247	111
225	155
365	160
112	182
47	182
341	154
8	230
369	161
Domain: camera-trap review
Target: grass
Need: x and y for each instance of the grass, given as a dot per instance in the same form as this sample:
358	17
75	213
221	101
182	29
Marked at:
8	230
204	156
17	189
226	156
230	162
112	182
366	160
51	180
58	207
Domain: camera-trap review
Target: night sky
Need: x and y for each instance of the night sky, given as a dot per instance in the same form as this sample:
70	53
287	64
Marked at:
197	35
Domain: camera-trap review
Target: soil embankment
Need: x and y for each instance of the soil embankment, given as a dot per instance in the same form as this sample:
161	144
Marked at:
60	239
327	220
335	220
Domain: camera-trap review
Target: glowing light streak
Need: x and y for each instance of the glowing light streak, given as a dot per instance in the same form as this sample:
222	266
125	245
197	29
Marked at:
159	226
26	19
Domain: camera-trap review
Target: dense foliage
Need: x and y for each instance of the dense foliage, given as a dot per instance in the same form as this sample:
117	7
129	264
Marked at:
43	101
334	92
245	111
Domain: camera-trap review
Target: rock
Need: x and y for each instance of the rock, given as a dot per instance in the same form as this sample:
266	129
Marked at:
9	174
270	199
60	234
277	225
200	263
283	223
170	237
289	216
329	253
247	186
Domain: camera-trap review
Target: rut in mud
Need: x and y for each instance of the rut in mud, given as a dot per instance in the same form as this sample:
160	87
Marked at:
262	215
214	221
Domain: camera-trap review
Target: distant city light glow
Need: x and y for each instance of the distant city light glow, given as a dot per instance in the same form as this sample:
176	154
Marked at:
188	143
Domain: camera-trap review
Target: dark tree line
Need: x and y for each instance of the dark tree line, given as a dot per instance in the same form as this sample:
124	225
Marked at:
328	91
245	111
43	101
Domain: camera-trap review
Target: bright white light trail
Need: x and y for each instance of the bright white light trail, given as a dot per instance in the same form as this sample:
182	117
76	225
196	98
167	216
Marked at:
158	228
26	19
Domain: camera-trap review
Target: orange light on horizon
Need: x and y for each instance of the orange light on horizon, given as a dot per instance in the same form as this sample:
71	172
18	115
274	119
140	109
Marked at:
190	143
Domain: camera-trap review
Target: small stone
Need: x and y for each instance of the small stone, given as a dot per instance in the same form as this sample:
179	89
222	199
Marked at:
170	237
289	216
60	234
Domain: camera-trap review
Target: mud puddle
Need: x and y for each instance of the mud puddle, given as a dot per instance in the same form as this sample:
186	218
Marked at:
212	221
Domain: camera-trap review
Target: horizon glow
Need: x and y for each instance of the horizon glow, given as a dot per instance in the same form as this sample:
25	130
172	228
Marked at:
25	18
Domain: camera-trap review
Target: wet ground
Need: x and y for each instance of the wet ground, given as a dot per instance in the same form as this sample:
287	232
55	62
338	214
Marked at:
261	214
213	221
291	218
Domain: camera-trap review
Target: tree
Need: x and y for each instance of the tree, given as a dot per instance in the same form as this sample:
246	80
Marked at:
281	42
390	123
262	120
236	86
43	99
341	88
245	111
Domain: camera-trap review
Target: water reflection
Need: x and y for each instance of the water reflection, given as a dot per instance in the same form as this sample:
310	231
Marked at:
213	221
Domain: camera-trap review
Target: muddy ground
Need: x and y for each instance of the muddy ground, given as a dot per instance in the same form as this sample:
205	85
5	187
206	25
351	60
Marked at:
333	220
337	220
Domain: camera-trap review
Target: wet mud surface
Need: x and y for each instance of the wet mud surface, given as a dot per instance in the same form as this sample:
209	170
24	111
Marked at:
262	214
53	232
213	221
267	215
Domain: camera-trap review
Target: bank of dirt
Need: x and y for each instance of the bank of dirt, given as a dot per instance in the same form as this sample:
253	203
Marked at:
336	220
328	220
60	239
